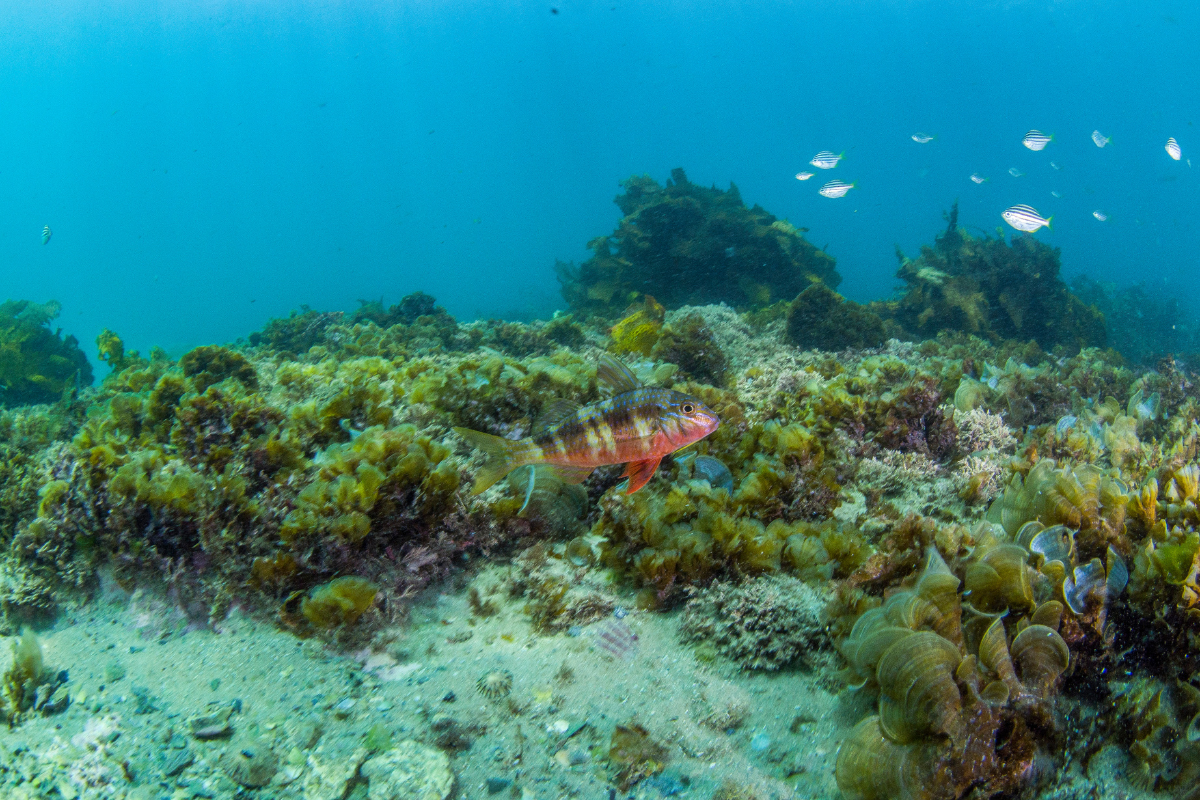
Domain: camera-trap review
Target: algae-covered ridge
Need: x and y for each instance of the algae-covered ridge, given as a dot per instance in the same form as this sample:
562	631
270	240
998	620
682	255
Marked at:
938	474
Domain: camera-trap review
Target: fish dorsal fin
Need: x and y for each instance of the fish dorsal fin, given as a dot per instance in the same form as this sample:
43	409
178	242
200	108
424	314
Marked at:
619	377
554	413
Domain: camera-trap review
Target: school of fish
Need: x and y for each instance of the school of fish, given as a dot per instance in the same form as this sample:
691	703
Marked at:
1021	217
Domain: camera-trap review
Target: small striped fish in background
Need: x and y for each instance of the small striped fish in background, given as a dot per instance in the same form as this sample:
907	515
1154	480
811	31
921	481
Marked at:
835	189
46	234
826	160
1036	140
1025	218
1100	139
1173	149
615	637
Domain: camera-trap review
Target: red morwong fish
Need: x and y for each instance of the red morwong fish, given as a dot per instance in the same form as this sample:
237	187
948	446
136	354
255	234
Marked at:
637	426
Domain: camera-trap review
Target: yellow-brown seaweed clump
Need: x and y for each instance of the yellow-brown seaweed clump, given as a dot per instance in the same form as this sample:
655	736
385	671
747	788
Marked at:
371	469
340	602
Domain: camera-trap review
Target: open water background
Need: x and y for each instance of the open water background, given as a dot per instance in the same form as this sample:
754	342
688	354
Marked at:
207	165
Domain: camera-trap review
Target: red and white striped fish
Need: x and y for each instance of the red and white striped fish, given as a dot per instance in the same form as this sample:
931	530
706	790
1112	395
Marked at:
637	426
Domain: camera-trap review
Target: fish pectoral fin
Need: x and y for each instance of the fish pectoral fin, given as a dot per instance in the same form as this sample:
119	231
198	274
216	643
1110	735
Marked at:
572	474
554	414
615	375
639	473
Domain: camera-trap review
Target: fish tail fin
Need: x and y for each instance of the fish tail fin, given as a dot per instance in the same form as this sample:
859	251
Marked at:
1048	220
502	456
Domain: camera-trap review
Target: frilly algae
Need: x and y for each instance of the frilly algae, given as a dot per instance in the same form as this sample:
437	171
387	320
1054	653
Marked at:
964	700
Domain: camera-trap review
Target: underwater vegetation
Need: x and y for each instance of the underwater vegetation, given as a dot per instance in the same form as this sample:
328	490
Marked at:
996	526
1143	325
820	317
993	289
686	244
28	685
965	698
36	364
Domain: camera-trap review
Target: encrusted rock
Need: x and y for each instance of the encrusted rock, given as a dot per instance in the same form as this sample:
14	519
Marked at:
409	771
331	768
765	623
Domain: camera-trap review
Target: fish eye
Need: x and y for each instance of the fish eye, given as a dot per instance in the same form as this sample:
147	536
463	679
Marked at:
687	408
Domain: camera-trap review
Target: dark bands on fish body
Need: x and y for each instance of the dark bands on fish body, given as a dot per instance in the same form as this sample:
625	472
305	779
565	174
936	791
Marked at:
636	427
597	429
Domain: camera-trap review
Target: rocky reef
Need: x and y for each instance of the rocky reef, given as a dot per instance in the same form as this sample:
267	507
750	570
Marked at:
999	546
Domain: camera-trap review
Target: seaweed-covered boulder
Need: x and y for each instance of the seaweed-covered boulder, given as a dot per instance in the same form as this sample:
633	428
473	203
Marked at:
993	289
820	317
690	245
37	364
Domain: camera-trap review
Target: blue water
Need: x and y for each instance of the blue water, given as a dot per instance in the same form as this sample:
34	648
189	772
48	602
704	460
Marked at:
205	166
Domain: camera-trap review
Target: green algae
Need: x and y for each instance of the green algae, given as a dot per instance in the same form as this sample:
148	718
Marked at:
38	364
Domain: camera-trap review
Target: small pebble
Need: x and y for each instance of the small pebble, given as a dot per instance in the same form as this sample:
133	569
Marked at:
448	697
760	742
497	785
344	708
113	672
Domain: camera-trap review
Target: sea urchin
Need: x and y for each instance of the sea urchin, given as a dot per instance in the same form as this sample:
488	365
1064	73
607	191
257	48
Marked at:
495	684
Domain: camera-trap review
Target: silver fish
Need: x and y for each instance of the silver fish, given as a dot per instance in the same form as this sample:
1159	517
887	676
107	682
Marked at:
1036	140
1100	215
46	234
1100	139
923	138
977	178
1025	218
826	159
1054	193
1065	424
1173	149
835	189
1016	173
1056	165
803	176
